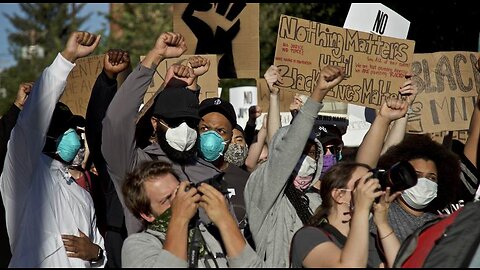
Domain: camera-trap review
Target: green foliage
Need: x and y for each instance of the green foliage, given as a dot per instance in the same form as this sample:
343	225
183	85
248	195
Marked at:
141	24
52	23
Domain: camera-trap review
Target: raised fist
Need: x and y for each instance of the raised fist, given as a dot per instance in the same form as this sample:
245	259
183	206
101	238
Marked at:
170	45
272	77
80	44
22	94
179	76
115	61
200	65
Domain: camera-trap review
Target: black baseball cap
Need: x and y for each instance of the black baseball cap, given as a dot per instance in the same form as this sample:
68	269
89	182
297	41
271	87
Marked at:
63	119
176	102
220	106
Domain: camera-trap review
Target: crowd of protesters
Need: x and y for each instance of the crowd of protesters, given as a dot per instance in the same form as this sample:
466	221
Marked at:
183	185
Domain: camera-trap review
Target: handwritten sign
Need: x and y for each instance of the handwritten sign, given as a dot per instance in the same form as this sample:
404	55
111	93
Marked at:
80	82
375	65
229	30
376	18
448	86
241	98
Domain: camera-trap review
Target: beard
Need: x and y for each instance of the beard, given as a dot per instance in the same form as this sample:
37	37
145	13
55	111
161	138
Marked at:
180	157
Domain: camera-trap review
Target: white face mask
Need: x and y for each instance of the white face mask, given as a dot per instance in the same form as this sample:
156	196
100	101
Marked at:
181	138
420	195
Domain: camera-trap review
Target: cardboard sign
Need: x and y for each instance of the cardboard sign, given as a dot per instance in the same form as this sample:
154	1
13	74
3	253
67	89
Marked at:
377	19
241	99
208	81
448	86
263	94
80	82
229	30
375	65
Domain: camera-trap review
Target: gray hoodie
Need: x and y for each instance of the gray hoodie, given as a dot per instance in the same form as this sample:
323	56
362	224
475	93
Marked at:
119	147
145	249
272	218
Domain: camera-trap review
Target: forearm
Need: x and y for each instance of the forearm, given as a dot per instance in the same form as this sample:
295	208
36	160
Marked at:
396	134
152	60
232	237
371	146
390	242
255	150
355	251
176	238
274	121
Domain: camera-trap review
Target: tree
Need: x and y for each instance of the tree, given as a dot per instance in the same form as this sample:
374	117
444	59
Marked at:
42	24
138	26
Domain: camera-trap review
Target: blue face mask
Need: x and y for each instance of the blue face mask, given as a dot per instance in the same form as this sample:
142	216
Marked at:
211	145
68	145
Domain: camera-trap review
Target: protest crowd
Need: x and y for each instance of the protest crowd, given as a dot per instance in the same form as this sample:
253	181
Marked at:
178	182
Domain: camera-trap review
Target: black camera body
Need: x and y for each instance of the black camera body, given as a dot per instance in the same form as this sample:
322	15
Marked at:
217	182
398	177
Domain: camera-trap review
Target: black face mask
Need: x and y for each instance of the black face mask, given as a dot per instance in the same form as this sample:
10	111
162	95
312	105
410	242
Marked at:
181	157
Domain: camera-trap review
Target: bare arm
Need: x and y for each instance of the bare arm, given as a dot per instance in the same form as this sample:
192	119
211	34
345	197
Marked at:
399	127
272	76
255	149
371	146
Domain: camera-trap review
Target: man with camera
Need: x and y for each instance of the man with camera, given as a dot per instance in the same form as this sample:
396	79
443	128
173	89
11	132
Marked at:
173	235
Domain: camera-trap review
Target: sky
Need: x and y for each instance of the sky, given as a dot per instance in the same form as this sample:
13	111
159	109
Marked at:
95	23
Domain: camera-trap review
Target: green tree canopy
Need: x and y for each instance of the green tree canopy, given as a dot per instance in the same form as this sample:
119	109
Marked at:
47	25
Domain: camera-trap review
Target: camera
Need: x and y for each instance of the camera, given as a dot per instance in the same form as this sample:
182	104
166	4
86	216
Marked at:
398	177
217	182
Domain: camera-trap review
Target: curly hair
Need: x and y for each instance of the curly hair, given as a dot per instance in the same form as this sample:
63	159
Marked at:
133	190
421	146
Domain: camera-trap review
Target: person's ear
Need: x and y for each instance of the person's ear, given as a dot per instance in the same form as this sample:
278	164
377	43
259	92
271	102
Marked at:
150	218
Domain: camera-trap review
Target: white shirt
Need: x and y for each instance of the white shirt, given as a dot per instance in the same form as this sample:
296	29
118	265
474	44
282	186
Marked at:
41	201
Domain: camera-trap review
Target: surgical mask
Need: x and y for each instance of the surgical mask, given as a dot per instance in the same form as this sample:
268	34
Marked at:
236	154
305	171
328	162
68	145
181	138
420	195
211	145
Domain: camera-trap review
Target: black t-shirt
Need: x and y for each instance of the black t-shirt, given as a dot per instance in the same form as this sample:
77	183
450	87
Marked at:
236	179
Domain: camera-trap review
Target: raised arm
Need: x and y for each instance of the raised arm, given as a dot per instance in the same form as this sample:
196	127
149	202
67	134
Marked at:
268	181
29	135
397	132
9	119
274	123
119	125
371	146
256	148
